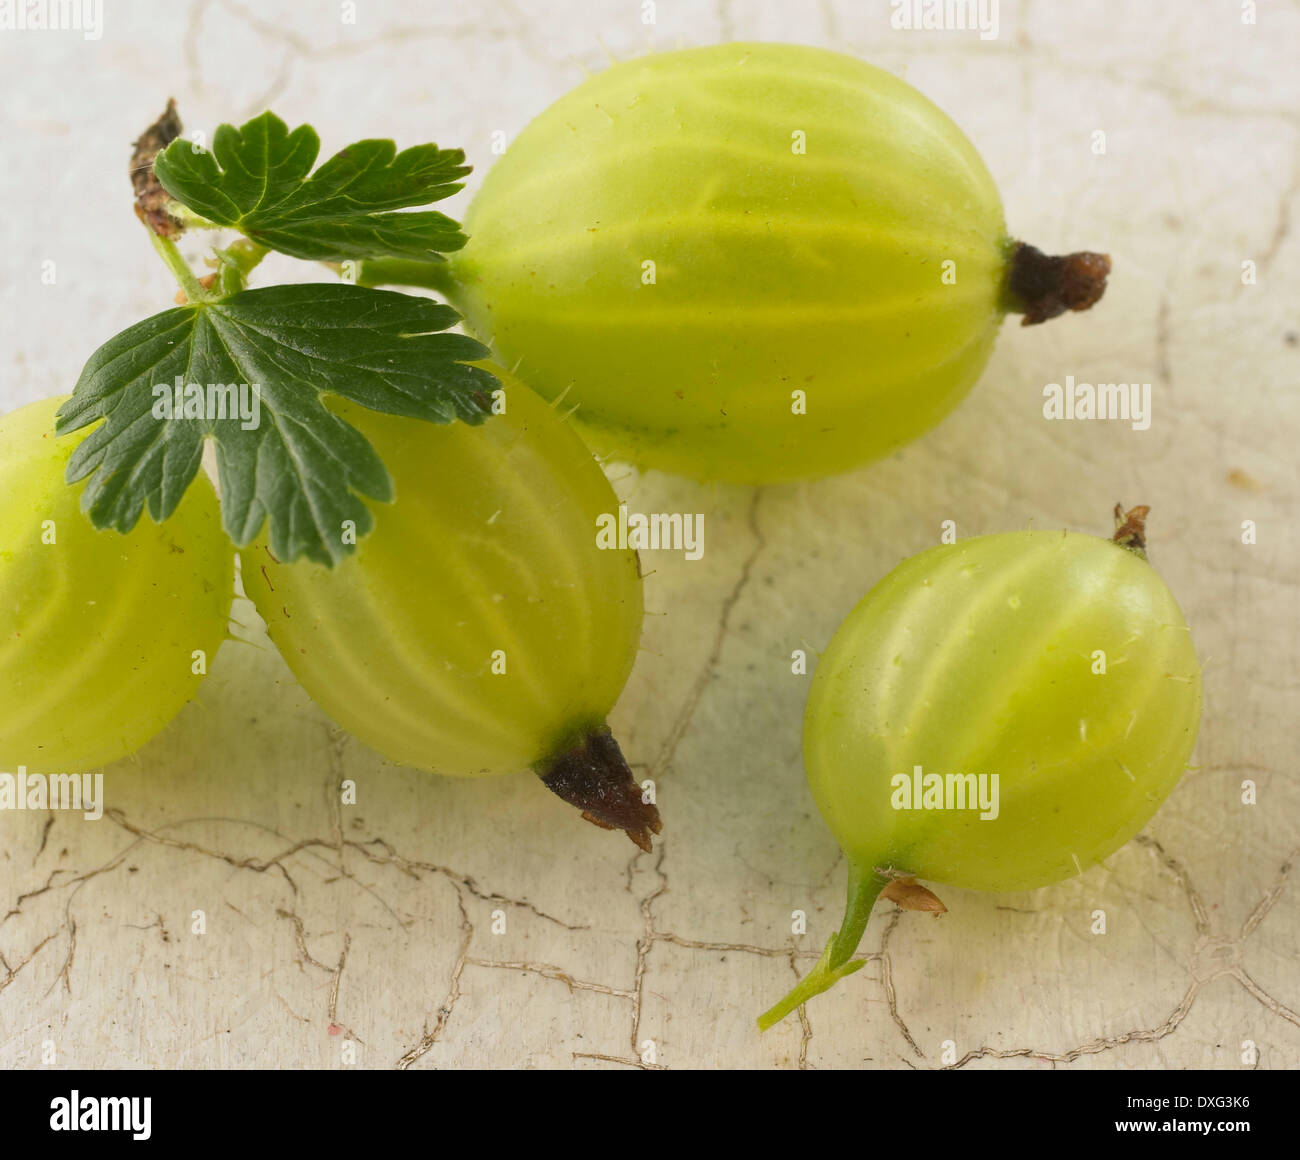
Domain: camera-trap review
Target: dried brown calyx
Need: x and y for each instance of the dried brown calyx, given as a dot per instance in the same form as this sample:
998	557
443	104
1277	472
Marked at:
1041	286
593	775
150	197
908	894
1131	528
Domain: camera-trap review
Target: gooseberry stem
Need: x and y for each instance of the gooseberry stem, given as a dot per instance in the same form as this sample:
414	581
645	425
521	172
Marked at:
237	261
189	219
837	960
402	272
188	281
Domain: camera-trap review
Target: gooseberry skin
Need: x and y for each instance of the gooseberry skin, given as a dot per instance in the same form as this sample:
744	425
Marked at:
97	629
775	271
979	657
489	547
1058	662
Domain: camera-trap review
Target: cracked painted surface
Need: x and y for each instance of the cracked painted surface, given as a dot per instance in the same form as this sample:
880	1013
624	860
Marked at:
440	923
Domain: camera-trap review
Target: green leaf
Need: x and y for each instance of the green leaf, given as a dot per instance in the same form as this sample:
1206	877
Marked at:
258	180
301	466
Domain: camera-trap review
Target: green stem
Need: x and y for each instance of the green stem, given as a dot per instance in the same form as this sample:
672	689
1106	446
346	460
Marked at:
189	219
402	272
837	960
180	271
238	260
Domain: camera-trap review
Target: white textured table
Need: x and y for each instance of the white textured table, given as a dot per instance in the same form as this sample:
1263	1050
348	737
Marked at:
373	926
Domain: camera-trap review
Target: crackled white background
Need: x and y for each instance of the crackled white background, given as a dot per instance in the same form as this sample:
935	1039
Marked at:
373	924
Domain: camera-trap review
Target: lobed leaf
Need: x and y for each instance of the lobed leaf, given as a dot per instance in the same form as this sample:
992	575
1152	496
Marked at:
258	179
300	466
